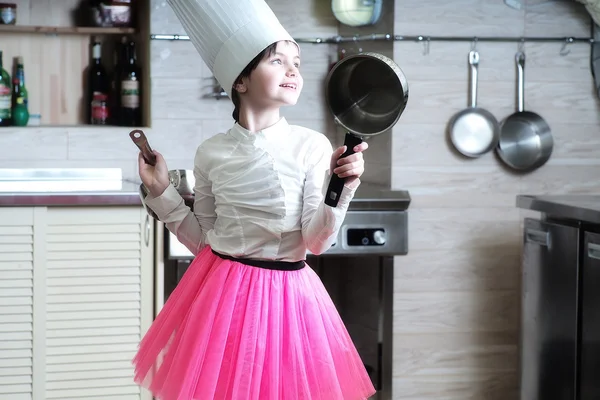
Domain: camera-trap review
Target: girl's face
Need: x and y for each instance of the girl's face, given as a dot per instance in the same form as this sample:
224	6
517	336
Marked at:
276	81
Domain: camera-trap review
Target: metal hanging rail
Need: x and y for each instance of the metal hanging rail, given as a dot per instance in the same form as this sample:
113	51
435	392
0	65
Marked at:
418	38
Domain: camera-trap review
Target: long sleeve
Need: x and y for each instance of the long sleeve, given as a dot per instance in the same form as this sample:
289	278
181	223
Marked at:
189	227
320	222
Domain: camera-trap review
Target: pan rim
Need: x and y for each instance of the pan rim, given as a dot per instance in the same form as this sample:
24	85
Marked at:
488	117
542	152
380	58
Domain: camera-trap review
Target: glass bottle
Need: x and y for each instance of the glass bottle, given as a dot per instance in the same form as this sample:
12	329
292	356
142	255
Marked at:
98	81
20	76
131	99
19	112
5	95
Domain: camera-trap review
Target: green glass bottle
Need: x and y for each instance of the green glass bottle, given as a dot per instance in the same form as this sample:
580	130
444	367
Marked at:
20	75
5	95
20	114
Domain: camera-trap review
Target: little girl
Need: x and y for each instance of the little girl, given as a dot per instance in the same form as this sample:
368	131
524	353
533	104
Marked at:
250	320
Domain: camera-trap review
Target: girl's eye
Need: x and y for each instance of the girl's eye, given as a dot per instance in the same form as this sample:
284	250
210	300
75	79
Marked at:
297	65
277	60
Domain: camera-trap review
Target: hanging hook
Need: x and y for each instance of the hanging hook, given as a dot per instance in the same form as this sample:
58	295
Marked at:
564	50
474	44
522	45
426	48
425	42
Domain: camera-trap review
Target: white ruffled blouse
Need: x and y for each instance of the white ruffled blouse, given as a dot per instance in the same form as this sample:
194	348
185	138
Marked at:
258	195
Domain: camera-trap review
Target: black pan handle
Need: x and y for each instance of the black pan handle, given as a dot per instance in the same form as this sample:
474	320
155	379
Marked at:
336	184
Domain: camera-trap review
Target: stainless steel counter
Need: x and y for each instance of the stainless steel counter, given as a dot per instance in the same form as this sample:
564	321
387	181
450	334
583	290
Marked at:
66	187
372	197
576	207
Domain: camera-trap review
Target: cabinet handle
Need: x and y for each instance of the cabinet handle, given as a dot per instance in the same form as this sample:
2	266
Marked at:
147	232
593	250
539	237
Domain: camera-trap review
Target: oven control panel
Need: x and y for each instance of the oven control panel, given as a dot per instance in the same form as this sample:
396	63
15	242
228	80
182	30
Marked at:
372	232
365	236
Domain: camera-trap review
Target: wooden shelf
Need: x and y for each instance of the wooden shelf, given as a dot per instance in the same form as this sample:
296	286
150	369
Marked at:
65	30
56	50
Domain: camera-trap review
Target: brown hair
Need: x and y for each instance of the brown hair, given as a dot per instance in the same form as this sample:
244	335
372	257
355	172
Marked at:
235	96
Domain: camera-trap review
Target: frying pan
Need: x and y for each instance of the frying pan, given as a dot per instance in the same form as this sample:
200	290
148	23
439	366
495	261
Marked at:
366	93
473	131
525	138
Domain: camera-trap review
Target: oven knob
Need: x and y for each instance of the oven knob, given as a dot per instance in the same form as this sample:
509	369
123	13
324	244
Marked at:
379	237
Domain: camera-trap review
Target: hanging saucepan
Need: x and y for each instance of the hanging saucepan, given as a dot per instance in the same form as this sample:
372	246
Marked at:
366	93
473	131
525	138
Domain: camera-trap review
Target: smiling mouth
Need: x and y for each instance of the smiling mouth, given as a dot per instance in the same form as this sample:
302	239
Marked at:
288	86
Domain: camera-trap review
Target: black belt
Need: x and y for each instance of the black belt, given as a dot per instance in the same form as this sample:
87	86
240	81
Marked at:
266	264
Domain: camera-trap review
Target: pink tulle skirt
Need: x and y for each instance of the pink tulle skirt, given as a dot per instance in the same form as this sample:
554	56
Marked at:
230	331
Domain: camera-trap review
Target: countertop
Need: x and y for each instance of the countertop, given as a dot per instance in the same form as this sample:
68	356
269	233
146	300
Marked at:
584	208
66	187
127	195
106	187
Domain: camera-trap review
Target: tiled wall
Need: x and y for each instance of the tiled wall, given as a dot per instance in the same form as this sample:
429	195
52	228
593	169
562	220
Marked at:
181	117
180	79
457	291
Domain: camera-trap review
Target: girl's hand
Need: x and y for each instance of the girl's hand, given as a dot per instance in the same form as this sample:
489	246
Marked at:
350	167
155	178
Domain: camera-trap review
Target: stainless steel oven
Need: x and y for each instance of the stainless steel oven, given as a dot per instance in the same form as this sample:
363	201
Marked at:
358	272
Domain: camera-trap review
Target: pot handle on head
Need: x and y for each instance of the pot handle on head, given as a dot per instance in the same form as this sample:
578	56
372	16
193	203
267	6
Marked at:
336	184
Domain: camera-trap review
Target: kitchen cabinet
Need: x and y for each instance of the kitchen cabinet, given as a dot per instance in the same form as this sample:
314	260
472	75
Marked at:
590	318
57	53
76	296
549	311
560	318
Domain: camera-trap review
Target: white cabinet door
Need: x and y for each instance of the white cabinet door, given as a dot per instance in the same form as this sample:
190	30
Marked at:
85	307
17	250
99	299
